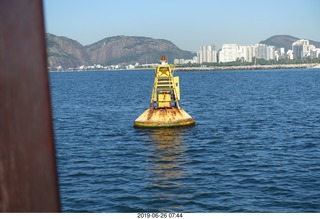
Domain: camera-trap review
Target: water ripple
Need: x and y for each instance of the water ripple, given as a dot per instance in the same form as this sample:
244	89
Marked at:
255	147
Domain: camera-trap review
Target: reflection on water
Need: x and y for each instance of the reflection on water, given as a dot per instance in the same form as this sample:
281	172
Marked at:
168	155
166	159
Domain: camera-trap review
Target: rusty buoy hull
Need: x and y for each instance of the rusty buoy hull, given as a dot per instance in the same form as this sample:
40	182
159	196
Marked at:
164	118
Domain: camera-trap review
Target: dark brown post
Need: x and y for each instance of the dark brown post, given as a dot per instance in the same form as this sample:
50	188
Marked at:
28	179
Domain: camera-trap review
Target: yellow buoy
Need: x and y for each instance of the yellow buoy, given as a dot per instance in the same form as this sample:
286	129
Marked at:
164	108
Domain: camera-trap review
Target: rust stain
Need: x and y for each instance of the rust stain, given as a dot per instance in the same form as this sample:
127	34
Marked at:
150	113
162	114
179	112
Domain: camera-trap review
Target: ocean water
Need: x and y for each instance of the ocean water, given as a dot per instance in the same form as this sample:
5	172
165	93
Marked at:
255	146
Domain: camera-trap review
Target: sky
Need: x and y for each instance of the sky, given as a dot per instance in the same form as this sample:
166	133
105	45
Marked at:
187	23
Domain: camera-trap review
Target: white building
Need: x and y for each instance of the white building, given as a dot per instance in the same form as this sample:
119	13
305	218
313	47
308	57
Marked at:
232	52
271	52
279	53
195	59
290	54
186	61
207	54
228	53
300	49
261	51
246	53
315	53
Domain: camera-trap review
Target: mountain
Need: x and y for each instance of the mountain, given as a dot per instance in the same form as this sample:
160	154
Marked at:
132	49
67	53
285	41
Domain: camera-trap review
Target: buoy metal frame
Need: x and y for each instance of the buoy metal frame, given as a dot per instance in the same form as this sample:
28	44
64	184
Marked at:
164	110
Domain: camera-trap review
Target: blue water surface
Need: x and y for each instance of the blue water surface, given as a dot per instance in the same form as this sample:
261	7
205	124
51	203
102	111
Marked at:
255	146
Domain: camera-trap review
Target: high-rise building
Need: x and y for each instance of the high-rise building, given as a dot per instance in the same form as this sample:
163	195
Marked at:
207	54
228	53
245	53
300	49
270	52
314	53
290	54
233	52
262	51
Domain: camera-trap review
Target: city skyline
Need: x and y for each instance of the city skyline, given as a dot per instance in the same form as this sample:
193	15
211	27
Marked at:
248	53
187	24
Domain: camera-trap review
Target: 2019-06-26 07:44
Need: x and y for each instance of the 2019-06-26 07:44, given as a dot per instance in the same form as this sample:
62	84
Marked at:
159	215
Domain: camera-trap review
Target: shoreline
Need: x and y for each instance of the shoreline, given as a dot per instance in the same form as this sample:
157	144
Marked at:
247	67
213	68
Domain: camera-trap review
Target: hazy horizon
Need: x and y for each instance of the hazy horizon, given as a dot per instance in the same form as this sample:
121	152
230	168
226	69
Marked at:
187	24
